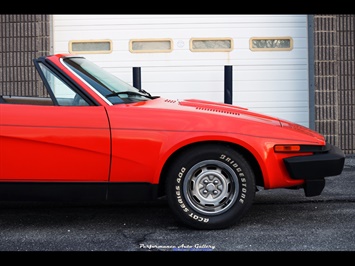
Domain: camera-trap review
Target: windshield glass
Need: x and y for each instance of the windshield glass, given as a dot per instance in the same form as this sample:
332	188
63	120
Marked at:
110	86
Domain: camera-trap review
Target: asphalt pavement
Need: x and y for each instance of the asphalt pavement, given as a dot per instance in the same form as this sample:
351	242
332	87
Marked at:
280	220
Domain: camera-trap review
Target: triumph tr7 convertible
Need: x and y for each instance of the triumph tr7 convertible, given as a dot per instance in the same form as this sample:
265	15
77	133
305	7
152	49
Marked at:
94	137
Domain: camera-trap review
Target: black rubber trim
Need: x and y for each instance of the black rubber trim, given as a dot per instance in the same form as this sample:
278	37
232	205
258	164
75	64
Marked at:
316	166
313	187
77	191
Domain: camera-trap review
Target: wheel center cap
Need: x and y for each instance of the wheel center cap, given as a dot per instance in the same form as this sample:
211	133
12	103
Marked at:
210	187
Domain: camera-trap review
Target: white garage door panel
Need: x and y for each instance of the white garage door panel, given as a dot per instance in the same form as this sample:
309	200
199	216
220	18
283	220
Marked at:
292	106
271	75
274	82
188	20
173	60
269	96
195	76
212	96
260	58
182	87
169	76
269	86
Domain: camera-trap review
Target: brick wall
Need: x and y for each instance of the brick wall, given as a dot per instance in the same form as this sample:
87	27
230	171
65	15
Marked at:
334	79
22	38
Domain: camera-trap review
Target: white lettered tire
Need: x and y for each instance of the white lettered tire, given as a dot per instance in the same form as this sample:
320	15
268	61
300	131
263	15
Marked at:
210	187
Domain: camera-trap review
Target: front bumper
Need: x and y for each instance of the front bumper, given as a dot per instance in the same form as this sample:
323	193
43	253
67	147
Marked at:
314	168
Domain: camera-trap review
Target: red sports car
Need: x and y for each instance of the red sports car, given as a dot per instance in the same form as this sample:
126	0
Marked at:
94	137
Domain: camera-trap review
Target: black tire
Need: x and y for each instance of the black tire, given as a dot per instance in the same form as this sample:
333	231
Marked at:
210	187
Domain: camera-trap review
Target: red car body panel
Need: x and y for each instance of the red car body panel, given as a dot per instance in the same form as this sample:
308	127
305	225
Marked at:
30	136
145	144
80	136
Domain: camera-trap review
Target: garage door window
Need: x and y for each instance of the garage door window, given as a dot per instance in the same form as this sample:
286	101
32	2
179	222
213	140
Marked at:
271	44
211	44
90	47
151	46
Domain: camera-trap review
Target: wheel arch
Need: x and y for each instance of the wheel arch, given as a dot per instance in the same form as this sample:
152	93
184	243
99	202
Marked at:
259	181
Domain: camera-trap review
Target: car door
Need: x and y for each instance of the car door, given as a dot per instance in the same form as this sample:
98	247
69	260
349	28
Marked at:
66	141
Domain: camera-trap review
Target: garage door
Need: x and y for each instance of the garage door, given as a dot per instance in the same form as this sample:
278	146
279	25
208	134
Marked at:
184	56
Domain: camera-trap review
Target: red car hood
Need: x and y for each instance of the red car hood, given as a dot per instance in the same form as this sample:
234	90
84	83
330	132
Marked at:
232	109
229	110
246	115
200	115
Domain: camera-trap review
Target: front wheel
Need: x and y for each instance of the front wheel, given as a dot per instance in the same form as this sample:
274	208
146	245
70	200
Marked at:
210	187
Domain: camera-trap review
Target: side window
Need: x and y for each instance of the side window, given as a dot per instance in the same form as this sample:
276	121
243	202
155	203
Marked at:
64	95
